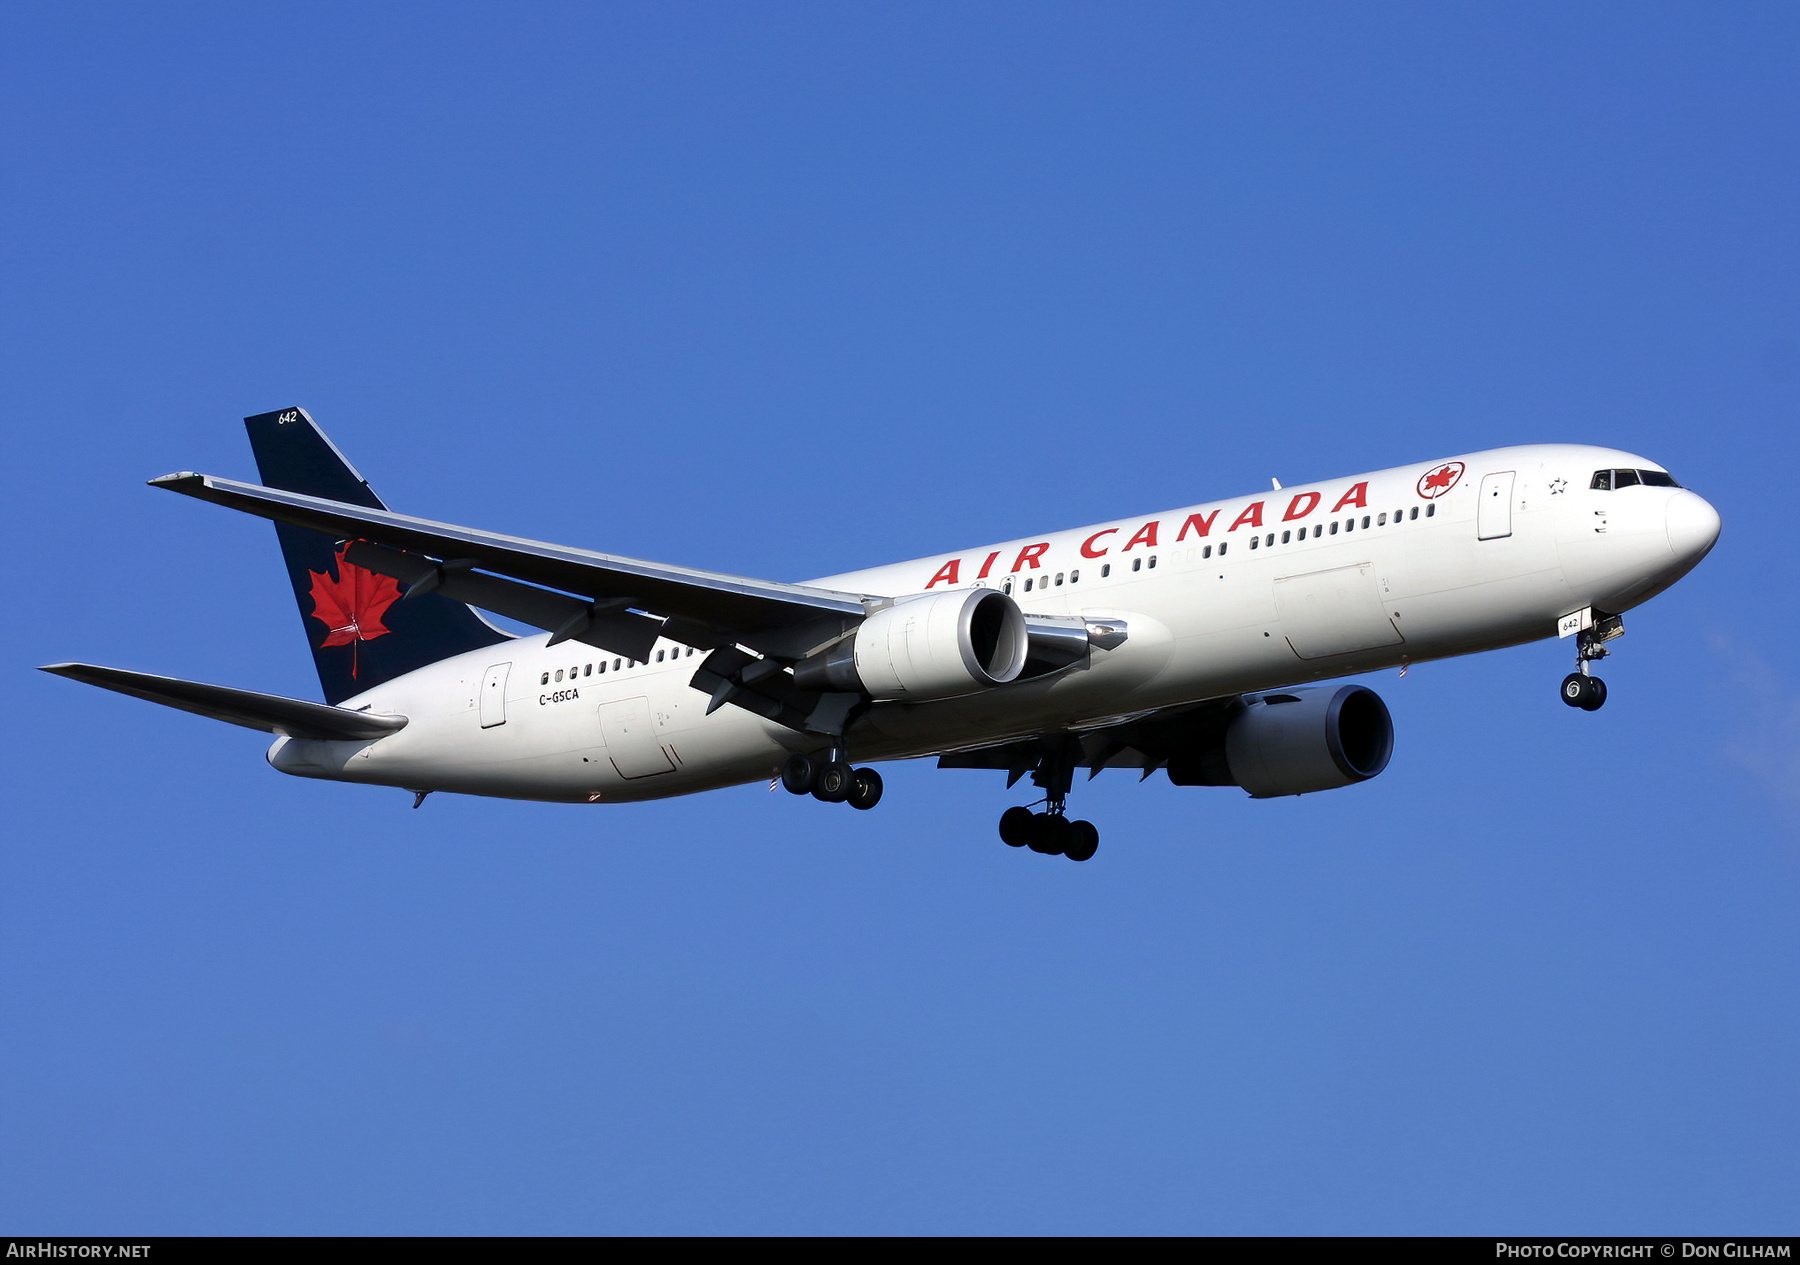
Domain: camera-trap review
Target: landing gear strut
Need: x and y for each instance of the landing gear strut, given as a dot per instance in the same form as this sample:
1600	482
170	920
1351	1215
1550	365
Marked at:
1581	688
828	778
1050	832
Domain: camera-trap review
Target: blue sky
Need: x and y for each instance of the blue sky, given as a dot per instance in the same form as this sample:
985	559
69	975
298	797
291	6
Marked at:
788	290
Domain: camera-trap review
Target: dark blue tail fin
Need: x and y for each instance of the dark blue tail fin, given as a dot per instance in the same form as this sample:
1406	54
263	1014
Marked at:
361	634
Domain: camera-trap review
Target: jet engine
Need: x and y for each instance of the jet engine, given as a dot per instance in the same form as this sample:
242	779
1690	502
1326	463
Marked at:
937	645
1291	742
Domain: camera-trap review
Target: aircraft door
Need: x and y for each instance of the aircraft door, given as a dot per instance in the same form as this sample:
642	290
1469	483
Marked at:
493	695
630	736
1493	514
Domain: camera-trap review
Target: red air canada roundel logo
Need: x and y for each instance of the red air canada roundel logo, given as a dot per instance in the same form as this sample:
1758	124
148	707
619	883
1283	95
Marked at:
1434	483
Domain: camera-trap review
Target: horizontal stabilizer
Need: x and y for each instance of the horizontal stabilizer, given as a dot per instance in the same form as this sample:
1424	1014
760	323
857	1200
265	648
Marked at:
271	713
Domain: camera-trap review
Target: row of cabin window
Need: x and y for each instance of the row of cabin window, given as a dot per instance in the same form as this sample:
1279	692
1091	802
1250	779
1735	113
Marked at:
1349	525
1045	581
618	665
1138	564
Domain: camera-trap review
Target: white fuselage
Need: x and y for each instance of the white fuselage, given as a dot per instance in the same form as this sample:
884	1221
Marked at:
1253	593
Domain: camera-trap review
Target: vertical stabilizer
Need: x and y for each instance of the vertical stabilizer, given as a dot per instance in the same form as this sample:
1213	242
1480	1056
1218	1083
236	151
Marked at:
359	630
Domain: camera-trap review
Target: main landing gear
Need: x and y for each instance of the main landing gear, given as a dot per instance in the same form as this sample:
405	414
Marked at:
828	778
1050	832
1581	688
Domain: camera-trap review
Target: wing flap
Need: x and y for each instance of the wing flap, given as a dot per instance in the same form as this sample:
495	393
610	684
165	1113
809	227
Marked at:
271	713
615	631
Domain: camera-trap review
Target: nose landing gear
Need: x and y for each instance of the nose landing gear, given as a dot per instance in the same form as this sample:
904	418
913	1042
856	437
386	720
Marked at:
1580	688
829	779
1585	692
1050	832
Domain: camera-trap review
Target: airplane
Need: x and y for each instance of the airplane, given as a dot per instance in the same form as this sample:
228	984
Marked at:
1188	641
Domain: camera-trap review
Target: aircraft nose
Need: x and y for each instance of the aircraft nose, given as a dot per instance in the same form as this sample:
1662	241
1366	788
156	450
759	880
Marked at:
1693	526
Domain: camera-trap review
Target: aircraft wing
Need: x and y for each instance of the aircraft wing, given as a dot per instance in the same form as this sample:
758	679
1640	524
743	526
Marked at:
597	598
270	713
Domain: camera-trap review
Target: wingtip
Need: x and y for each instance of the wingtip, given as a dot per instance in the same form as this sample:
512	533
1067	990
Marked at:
174	481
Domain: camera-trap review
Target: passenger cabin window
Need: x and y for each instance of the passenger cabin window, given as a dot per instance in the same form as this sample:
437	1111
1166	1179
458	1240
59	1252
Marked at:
1222	549
1206	552
1137	564
546	679
1431	510
1105	569
1153	562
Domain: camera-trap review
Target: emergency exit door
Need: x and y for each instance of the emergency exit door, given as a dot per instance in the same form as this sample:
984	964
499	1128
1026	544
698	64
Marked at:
1493	515
493	695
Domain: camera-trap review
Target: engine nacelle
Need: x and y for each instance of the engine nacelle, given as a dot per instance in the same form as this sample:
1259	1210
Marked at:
1291	742
937	645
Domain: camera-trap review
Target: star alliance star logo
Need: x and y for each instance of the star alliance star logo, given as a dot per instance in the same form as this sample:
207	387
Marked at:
1558	486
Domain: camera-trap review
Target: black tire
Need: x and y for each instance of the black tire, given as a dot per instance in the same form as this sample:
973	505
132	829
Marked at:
1596	695
1574	689
1084	841
865	789
797	773
1016	827
1051	834
833	781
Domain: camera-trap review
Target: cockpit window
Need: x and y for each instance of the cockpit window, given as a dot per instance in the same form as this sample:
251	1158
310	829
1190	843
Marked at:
1613	480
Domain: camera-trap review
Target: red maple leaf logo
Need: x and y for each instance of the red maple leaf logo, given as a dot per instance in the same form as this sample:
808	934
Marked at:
351	605
1437	482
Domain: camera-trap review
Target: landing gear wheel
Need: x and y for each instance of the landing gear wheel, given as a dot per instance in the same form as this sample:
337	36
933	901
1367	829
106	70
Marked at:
1016	827
1084	841
1585	692
865	789
797	773
832	784
1596	698
1050	834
